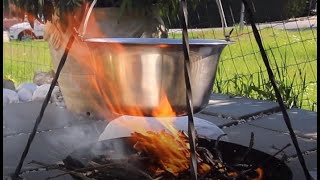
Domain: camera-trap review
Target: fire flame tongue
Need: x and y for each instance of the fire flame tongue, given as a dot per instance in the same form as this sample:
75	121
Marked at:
168	152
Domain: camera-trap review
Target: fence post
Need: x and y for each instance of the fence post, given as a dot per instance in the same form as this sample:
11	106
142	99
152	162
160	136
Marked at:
241	17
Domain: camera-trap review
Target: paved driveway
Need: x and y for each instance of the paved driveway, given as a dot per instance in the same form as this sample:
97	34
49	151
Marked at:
291	24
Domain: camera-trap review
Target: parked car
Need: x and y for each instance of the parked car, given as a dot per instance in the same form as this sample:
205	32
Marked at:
23	31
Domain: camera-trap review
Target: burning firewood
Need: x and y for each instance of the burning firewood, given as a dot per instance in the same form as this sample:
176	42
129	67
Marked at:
168	153
164	156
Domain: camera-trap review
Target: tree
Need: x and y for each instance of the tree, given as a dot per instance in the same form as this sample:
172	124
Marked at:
64	8
6	10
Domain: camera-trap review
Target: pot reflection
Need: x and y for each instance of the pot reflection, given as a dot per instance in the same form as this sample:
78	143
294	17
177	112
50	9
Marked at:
136	75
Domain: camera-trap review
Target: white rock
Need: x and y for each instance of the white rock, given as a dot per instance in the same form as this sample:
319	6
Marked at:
24	95
41	92
41	78
8	84
10	96
125	125
60	104
57	97
29	86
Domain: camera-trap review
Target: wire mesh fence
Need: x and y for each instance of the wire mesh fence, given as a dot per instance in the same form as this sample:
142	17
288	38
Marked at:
290	44
22	59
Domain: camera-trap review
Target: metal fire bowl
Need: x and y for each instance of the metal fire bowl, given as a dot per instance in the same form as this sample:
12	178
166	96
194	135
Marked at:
121	148
139	73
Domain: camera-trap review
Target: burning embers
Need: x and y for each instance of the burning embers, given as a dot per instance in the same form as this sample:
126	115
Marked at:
166	153
167	157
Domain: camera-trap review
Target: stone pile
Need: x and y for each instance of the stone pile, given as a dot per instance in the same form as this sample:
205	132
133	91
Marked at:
35	91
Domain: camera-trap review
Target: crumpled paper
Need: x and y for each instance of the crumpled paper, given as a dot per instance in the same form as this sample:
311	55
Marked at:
125	125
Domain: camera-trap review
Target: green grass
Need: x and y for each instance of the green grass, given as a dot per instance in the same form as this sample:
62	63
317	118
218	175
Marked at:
292	55
22	59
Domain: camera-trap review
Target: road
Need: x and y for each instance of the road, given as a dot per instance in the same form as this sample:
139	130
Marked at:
291	24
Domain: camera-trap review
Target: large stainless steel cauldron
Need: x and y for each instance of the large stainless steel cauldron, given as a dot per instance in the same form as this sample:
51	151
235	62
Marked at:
139	73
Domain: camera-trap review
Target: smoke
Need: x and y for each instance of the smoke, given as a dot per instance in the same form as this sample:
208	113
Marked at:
81	142
96	138
63	142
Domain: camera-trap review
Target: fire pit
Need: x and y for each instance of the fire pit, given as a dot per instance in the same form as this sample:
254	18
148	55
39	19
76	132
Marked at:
135	76
125	158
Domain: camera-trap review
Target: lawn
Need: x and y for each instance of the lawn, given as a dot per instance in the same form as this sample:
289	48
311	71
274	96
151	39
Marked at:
241	71
22	59
292	55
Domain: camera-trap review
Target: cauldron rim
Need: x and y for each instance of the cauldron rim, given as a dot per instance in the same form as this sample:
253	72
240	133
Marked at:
157	41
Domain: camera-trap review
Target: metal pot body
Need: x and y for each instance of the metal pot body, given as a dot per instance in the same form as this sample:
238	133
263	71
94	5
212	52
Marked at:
75	79
145	77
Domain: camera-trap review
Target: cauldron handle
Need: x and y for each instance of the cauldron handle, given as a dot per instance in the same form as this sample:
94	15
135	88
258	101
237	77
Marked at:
218	2
85	23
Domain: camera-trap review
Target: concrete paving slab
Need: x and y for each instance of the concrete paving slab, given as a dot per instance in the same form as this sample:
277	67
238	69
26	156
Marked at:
48	147
266	140
22	116
303	122
12	150
314	174
8	132
220	122
217	96
56	139
311	163
237	107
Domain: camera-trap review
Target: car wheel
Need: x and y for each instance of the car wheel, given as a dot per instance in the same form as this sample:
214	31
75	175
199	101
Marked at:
26	35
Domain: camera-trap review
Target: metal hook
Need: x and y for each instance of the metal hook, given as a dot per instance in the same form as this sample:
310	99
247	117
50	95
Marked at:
223	20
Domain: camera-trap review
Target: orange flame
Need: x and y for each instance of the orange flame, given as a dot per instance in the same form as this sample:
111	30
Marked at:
259	171
171	150
259	175
165	110
170	153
